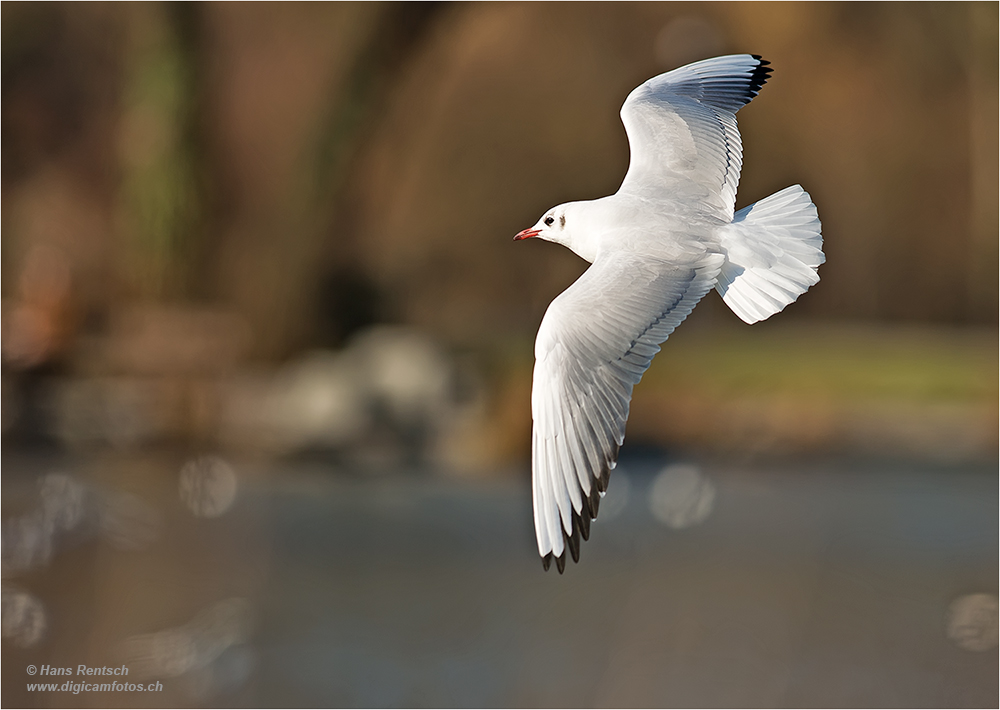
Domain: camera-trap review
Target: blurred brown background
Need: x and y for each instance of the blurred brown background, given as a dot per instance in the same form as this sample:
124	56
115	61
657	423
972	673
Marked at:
192	190
267	247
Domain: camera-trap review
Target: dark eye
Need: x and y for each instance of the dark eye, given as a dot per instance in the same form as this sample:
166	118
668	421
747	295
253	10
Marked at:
549	221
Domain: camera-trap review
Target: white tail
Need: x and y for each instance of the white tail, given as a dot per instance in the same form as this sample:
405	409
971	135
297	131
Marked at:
773	248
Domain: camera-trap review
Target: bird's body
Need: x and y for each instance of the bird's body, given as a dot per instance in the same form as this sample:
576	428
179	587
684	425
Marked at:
656	247
626	222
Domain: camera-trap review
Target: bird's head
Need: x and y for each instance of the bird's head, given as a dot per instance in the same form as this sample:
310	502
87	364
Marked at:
572	224
552	227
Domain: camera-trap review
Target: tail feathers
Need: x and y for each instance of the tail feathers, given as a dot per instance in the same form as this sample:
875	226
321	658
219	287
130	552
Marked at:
773	248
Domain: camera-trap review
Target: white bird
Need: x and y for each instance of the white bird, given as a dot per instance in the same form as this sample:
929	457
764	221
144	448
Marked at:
667	237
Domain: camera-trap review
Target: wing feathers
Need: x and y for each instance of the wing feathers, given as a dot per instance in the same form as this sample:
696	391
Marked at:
727	83
682	130
594	344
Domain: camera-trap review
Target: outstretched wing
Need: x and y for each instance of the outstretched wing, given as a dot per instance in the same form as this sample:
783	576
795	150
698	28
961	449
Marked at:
682	131
596	340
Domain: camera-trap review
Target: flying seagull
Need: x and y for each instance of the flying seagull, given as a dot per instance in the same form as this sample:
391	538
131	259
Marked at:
667	237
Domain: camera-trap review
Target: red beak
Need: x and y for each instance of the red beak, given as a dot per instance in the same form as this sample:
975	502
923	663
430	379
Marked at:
526	234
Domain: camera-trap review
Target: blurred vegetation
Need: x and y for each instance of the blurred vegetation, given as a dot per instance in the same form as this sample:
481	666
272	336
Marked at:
846	362
313	169
161	189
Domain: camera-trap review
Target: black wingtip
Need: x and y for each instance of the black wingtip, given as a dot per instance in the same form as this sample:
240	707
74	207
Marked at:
604	477
585	519
761	73
573	541
580	526
560	562
593	504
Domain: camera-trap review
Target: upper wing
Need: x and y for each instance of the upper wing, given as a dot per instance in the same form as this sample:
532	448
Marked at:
596	340
682	131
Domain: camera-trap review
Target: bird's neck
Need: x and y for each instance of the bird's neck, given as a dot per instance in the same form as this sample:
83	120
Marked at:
588	225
